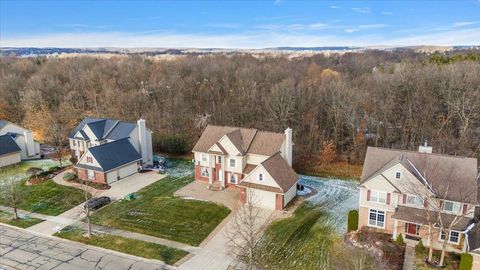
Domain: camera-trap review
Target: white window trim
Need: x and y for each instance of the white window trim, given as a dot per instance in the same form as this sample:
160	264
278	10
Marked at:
415	198
378	197
453	203
376	221
449	236
204	172
204	157
400	175
234	163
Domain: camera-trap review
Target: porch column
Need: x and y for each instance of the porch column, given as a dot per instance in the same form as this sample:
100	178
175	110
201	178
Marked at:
222	168
395	225
210	176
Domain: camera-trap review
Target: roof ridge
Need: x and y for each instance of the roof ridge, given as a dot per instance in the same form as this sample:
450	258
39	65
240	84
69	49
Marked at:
416	152
270	157
103	144
111	128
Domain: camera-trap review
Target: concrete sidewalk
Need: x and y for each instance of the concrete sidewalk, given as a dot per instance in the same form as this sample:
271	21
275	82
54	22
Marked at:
409	262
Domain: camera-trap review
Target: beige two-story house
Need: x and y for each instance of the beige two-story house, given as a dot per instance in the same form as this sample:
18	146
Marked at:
413	193
258	163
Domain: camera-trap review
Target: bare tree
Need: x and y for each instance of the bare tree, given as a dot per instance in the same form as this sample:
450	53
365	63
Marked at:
34	171
245	231
11	193
431	197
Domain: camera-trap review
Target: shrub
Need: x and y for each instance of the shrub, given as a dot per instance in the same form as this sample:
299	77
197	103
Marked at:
420	248
466	262
174	143
69	176
399	240
73	160
54	169
352	220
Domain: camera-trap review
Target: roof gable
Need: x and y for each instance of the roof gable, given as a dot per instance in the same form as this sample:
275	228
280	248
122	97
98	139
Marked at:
280	171
104	128
114	154
8	145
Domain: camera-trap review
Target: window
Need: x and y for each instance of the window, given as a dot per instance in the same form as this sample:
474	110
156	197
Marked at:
233	163
89	160
398	175
74	142
219	160
232	178
414	200
378	196
451	207
260	177
204	157
204	172
376	218
454	237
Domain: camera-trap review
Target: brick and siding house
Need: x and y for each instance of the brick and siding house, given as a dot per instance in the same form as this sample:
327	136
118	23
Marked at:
13	137
401	192
257	163
109	150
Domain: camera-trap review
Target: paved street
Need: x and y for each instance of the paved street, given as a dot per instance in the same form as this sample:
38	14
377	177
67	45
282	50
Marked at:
20	250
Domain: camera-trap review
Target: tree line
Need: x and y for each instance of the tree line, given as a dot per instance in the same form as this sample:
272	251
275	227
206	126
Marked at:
380	98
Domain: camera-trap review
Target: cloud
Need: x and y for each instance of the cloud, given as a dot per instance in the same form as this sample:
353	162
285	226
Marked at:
387	13
239	40
318	26
364	27
277	2
361	9
459	24
334	7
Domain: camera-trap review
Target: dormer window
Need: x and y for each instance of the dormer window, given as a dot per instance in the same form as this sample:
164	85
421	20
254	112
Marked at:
260	177
398	175
233	163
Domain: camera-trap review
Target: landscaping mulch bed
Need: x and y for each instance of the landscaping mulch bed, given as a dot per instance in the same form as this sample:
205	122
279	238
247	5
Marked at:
381	245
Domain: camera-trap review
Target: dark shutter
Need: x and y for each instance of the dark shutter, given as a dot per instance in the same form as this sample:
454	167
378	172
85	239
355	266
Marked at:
368	195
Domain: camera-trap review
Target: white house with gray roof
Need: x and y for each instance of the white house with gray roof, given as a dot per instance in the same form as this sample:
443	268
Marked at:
16	144
108	150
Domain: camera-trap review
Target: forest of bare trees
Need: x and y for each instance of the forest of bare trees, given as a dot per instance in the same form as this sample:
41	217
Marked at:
389	99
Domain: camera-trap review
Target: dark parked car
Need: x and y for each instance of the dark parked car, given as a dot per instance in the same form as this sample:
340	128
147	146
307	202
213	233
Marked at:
95	203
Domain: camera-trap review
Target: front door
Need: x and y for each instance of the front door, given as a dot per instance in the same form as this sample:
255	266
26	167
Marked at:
412	229
220	175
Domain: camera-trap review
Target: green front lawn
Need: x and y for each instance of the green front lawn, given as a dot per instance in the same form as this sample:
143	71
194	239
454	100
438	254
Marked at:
18	171
125	245
21	222
157	213
49	198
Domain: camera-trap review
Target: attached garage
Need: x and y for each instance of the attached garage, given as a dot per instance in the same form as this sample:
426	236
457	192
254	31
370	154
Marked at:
111	161
10	152
262	198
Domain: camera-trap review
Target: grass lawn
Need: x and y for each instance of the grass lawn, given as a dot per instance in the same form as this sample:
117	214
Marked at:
49	198
22	222
18	171
125	245
157	213
296	242
452	260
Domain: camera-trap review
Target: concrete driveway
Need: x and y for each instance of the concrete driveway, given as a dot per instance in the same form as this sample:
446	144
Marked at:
118	190
214	253
24	250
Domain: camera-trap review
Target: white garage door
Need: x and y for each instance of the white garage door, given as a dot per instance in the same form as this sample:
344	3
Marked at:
262	198
127	170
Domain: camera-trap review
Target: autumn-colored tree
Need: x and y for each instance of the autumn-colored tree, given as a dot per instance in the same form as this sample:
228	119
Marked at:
329	152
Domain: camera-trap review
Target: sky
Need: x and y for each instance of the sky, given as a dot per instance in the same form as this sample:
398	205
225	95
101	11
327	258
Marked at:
238	24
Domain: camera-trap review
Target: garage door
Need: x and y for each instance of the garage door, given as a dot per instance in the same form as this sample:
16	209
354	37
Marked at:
262	198
127	170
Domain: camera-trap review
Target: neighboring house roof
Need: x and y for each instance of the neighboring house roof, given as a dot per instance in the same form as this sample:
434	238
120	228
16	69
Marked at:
417	215
3	123
458	174
8	145
112	155
104	128
248	168
474	237
246	140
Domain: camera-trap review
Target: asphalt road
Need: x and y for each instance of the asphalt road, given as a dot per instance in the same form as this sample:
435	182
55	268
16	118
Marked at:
20	249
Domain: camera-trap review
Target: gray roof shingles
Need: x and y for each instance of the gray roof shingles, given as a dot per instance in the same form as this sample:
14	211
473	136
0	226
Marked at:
8	145
104	128
114	154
